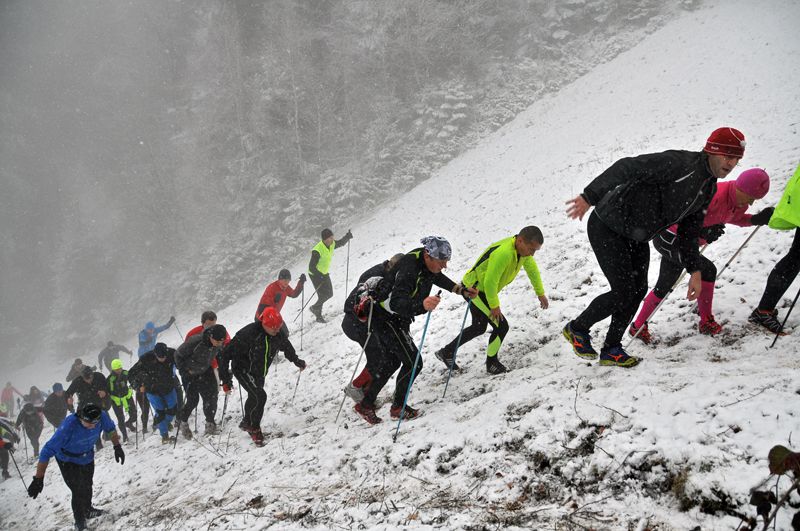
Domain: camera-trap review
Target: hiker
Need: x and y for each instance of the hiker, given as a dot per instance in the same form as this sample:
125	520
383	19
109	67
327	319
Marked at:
395	302
122	399
318	268
785	217
110	353
32	423
147	342
249	355
55	406
276	293
728	206
194	361
153	376
71	445
496	267
634	199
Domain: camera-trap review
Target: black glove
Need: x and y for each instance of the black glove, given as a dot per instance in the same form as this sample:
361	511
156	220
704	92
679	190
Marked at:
712	233
9	446
302	278
171	320
119	455
349	235
35	487
762	218
300	364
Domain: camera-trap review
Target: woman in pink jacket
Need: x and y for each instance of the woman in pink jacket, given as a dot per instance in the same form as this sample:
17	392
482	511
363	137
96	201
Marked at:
729	205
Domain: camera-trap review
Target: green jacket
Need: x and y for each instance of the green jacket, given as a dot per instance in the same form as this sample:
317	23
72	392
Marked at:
498	266
787	213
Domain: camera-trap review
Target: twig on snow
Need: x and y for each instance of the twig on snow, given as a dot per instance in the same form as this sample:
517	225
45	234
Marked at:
575	401
746	398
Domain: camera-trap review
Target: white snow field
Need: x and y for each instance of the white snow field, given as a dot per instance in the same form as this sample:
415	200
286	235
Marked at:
557	443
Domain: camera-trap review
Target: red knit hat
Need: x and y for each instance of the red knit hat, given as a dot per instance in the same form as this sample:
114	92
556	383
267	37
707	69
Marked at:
726	141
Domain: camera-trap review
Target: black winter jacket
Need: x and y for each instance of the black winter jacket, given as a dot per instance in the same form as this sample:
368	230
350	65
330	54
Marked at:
55	408
252	350
638	197
156	376
379	270
411	283
194	356
89	392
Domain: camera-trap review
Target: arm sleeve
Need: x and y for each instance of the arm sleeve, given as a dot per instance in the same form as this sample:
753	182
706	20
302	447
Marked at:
288	350
224	359
443	281
688	232
532	269
161	328
72	388
741	219
59	439
312	264
622	171
106	423
296	291
343	241
100	359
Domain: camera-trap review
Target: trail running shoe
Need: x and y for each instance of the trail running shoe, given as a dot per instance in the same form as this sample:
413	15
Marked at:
493	366
446	357
367	413
710	327
644	336
408	414
616	356
768	319
581	343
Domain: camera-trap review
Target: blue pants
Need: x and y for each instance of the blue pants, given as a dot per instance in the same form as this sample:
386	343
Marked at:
165	407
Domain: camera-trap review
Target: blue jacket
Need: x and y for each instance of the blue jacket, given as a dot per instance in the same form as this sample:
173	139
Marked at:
73	443
148	342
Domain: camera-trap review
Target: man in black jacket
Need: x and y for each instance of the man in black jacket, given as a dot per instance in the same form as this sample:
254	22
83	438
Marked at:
32	423
193	359
249	355
152	374
634	200
55	406
396	300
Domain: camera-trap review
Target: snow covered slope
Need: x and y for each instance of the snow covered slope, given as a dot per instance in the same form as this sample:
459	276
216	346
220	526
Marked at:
557	441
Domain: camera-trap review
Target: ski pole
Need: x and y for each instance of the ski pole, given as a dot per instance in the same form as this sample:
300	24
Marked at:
458	344
18	471
347	269
25	440
304	305
661	302
224	408
195	417
136	425
363	350
241	402
297	383
737	251
175	323
778	333
413	372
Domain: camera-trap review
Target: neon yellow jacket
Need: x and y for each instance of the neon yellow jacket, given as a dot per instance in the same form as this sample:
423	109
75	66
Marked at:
325	255
787	213
498	266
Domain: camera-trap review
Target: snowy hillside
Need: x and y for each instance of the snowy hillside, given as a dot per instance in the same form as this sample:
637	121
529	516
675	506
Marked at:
557	443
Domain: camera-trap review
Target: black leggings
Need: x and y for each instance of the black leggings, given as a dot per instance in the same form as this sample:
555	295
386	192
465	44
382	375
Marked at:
256	397
480	321
357	331
322	283
79	480
666	243
782	276
624	263
396	350
205	386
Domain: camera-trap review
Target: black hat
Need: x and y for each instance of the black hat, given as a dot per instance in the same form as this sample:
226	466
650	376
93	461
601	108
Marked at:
86	371
90	413
217	332
326	233
285	274
160	350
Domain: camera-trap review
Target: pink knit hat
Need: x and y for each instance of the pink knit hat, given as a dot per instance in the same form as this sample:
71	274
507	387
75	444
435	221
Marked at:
754	182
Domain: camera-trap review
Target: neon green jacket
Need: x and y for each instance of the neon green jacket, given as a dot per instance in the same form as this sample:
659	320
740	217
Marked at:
787	213
498	266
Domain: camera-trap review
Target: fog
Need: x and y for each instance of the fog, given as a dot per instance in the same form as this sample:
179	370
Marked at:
163	157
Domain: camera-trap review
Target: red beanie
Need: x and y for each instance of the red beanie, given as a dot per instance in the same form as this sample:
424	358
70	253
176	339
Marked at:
726	141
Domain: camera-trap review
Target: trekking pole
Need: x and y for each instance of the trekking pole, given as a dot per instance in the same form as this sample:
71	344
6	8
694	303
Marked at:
241	402
458	344
195	418
25	441
18	471
738	251
413	372
780	330
295	386
363	350
175	324
224	408
136	425
347	269
304	305
177	432
658	306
